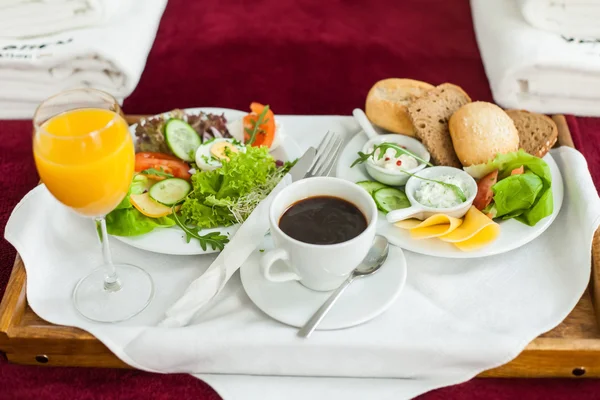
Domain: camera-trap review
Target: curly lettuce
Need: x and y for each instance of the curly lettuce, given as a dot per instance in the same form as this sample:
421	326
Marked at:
227	195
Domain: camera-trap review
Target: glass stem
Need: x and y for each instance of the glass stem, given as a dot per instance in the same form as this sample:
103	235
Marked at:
111	280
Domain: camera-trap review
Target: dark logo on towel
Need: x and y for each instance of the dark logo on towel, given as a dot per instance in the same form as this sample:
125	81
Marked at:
577	40
31	50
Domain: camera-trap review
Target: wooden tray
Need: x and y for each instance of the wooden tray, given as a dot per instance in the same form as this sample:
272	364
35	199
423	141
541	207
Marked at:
570	350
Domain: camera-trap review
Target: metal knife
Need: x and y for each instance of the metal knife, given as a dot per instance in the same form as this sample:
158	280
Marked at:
244	242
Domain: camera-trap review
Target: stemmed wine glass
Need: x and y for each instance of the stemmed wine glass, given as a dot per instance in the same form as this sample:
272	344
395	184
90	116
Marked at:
85	156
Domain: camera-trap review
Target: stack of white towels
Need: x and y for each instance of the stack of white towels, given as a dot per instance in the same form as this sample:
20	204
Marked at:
47	46
541	55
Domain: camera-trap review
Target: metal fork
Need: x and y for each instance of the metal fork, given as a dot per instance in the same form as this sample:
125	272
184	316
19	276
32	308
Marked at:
327	154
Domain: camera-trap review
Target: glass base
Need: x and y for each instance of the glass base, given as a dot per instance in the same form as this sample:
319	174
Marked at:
96	303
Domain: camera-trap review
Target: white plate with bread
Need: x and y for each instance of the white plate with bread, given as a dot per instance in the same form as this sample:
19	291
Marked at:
470	136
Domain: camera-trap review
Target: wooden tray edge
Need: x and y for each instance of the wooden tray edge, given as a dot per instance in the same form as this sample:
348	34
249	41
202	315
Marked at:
556	357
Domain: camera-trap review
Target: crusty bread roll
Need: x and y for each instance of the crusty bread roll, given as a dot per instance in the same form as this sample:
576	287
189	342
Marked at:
387	103
480	131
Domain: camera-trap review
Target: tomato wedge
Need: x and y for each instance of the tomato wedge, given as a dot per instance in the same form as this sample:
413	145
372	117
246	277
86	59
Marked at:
165	162
484	190
266	130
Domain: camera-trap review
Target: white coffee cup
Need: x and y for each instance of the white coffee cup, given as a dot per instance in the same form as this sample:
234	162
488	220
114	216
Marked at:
318	267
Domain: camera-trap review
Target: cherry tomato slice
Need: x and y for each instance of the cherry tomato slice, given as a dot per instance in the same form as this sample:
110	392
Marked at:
175	167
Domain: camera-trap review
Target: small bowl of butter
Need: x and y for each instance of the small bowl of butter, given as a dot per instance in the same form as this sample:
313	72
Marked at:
428	196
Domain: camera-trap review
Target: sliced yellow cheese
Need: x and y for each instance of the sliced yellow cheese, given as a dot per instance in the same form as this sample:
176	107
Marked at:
434	226
476	231
408	223
484	237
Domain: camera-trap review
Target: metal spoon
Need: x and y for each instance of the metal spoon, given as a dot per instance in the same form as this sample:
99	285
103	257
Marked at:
373	261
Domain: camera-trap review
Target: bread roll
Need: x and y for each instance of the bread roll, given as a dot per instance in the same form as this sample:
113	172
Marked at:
387	103
480	131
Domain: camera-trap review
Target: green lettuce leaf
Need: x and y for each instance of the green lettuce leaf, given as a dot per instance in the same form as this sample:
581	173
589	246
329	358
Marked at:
526	197
516	194
139	184
216	194
201	214
131	222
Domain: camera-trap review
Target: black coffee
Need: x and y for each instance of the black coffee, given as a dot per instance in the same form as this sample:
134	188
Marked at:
323	220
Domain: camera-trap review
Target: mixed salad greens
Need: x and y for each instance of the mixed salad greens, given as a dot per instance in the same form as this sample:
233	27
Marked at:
171	189
519	187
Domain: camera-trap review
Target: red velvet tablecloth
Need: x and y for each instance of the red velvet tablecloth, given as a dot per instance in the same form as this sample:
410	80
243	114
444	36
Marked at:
301	57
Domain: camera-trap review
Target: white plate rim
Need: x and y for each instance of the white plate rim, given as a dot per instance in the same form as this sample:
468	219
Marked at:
491	250
396	259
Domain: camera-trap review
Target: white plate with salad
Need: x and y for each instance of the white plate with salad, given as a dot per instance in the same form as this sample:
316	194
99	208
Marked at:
199	173
512	233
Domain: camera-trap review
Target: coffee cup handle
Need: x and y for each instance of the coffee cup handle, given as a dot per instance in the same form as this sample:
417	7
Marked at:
267	261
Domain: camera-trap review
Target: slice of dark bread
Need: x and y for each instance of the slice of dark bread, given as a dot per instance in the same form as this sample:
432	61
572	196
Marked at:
537	132
430	114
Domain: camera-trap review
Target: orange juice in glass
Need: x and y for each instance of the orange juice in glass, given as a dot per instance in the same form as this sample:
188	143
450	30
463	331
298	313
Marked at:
86	159
85	156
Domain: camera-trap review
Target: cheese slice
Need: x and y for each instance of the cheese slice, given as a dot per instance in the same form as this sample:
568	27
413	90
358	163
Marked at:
434	226
408	223
476	231
484	237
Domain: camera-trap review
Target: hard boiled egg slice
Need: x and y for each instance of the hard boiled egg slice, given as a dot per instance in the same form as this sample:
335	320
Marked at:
211	153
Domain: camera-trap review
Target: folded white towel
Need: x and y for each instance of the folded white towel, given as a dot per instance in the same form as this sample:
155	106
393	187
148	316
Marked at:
110	57
29	18
580	18
533	69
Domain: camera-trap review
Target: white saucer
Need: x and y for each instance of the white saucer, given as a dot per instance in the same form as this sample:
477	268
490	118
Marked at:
293	304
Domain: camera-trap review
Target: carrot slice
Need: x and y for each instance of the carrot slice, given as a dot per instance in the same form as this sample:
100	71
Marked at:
266	131
518	171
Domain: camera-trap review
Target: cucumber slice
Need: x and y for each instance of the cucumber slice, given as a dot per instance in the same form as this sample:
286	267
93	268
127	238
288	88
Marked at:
182	139
371	186
170	191
389	199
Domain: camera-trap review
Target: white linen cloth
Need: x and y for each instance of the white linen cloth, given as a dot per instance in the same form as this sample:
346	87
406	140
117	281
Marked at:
246	240
454	319
28	18
579	18
532	69
109	57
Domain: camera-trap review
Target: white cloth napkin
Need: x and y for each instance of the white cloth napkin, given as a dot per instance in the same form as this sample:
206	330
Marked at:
209	285
28	18
109	57
579	18
454	319
533	69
